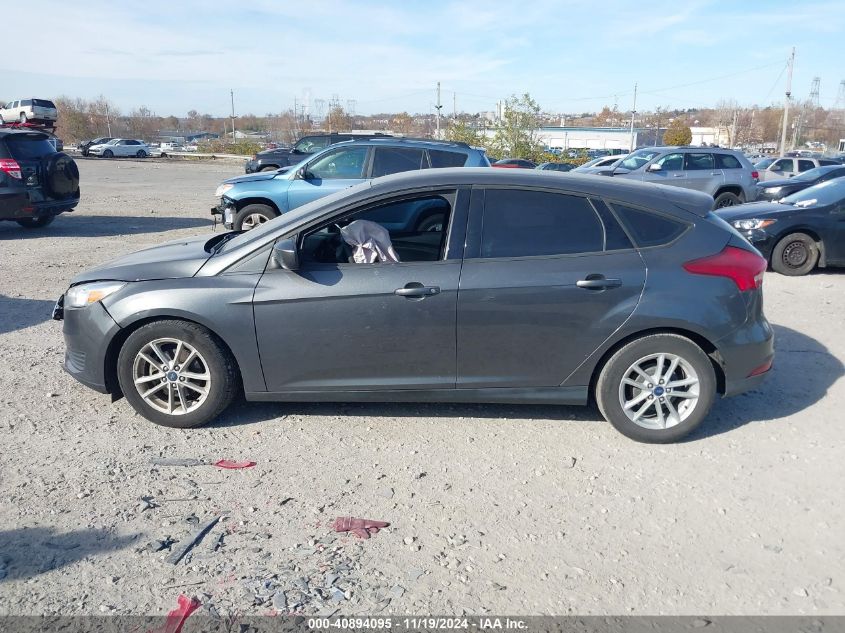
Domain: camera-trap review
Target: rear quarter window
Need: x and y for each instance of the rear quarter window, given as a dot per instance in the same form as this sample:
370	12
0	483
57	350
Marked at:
649	229
24	147
442	158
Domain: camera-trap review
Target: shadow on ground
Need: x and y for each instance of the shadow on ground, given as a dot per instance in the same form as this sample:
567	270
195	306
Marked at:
804	370
70	225
31	551
19	313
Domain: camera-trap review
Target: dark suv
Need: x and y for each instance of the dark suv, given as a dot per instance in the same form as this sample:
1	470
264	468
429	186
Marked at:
36	182
304	147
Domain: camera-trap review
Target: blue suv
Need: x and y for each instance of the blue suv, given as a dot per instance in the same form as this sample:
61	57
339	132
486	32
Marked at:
247	201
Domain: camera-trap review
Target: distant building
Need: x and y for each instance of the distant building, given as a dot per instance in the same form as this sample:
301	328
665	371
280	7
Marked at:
711	136
598	137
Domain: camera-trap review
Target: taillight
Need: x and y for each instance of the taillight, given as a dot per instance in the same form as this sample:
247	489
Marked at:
755	175
743	267
10	166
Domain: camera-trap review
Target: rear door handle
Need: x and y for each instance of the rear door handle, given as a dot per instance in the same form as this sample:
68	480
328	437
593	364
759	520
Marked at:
598	282
417	290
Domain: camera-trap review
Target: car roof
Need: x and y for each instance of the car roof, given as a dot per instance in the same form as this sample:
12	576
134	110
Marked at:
405	141
5	132
690	148
663	197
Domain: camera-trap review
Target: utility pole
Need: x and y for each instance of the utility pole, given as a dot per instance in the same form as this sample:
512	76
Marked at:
732	140
108	122
455	106
232	95
633	112
439	106
786	101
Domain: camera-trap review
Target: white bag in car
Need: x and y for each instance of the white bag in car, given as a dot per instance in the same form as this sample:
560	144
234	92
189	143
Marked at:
370	241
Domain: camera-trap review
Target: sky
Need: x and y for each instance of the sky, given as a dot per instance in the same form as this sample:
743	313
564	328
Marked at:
572	56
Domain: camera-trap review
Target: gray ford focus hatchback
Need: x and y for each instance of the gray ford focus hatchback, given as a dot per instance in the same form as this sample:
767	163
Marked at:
533	288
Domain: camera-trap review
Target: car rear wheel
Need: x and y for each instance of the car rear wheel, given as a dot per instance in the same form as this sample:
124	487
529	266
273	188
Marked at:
656	389
141	154
176	373
36	223
108	154
23	117
796	254
253	215
726	199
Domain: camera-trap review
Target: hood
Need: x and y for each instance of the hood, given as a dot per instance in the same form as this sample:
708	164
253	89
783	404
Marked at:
783	182
262	175
171	260
753	210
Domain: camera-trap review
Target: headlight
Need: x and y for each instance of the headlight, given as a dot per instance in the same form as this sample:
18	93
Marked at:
88	293
772	189
754	223
222	189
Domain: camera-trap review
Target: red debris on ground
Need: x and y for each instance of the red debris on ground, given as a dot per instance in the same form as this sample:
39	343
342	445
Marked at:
176	618
362	528
228	463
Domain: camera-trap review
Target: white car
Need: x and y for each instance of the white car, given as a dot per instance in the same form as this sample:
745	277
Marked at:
26	110
120	147
599	164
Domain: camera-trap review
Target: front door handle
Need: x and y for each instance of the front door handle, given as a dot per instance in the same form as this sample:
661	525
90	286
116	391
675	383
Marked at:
416	290
598	282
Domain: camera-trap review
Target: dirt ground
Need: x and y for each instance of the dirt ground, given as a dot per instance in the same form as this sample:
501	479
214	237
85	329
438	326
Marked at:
493	509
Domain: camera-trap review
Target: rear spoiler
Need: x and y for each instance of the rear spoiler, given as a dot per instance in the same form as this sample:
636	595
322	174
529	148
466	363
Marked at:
694	202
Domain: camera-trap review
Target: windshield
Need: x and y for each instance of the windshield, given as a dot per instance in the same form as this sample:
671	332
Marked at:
763	164
638	158
812	174
819	195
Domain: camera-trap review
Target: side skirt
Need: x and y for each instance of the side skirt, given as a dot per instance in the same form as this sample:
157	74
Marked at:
517	395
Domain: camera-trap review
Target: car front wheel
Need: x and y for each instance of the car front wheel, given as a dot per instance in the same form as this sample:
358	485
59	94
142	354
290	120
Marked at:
726	199
796	254
176	373
657	388
253	215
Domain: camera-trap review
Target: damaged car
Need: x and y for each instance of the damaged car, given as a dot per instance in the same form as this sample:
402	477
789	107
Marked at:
531	289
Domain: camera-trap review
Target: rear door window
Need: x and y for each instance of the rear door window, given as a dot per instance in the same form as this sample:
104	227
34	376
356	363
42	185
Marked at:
649	229
726	161
699	161
23	147
392	160
524	223
805	165
441	158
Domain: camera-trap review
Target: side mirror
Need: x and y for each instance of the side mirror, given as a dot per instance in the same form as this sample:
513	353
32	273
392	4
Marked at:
655	167
285	254
303	174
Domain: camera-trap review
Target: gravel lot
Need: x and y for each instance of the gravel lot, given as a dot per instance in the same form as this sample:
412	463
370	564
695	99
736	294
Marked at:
488	512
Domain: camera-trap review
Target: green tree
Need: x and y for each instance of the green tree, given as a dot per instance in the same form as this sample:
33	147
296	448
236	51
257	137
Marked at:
516	134
461	132
678	133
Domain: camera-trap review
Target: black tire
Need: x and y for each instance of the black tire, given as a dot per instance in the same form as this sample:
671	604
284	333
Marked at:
726	199
250	215
615	369
141	154
268	168
36	223
794	255
433	222
221	366
108	154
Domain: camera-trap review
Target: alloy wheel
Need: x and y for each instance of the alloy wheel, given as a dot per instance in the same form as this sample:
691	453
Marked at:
659	391
253	220
171	376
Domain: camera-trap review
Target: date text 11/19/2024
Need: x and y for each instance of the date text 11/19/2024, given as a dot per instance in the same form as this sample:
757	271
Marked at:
418	623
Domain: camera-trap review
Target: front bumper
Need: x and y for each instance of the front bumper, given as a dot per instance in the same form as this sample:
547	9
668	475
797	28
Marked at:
762	241
88	332
226	210
251	166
